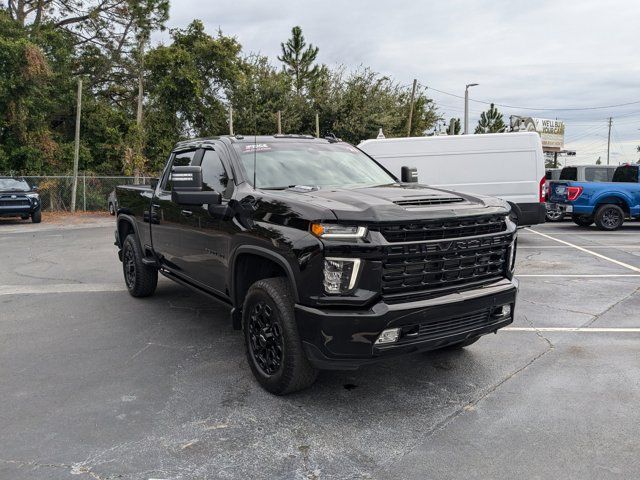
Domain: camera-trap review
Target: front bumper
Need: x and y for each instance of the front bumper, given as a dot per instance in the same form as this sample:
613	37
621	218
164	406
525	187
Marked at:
344	339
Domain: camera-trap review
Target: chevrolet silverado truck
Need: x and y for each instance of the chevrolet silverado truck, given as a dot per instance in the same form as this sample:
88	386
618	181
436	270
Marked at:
19	199
606	204
326	259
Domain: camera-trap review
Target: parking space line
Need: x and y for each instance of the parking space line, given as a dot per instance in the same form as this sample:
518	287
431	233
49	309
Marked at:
533	247
582	249
61	288
574	329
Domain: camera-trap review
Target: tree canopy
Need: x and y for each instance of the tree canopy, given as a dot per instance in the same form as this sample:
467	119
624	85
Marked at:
491	121
190	84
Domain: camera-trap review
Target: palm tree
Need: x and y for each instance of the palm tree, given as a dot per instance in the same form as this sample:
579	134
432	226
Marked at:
491	121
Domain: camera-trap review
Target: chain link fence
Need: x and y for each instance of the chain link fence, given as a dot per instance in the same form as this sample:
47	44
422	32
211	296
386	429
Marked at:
92	192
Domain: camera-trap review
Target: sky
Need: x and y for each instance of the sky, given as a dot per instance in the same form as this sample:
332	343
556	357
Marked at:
547	56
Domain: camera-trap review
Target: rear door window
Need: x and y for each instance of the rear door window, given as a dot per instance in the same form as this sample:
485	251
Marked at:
626	173
569	173
596	174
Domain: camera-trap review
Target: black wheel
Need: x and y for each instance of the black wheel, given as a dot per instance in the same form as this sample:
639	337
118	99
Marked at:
112	209
582	220
609	217
274	349
36	217
141	279
461	345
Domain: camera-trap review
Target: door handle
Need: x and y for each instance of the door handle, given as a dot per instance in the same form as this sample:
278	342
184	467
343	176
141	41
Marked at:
186	213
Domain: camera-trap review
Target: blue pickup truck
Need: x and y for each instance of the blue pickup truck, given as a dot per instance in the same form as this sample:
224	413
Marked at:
607	204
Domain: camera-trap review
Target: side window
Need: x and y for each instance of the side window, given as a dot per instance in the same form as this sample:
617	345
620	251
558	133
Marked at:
214	176
595	174
569	173
180	159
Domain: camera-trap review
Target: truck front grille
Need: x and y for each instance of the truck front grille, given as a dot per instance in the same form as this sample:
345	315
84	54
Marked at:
453	325
440	230
430	267
20	202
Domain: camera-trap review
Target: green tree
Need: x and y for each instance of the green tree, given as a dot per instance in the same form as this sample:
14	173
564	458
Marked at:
299	60
599	161
454	127
491	121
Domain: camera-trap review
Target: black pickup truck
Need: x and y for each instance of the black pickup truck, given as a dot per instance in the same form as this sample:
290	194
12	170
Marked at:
326	259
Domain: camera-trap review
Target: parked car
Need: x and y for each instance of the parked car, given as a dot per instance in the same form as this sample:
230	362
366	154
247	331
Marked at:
19	199
112	202
605	203
580	173
326	260
507	166
552	215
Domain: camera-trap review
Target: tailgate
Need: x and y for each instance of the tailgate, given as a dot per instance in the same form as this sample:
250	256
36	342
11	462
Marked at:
558	192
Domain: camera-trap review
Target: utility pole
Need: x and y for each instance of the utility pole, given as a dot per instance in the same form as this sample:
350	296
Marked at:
279	120
138	147
413	96
230	120
466	107
609	141
317	126
76	151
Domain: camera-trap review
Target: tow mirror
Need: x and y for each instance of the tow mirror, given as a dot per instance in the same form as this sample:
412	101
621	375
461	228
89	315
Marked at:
187	188
409	174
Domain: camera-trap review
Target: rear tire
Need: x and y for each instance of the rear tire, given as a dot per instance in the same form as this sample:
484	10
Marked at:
609	217
141	279
582	220
274	348
36	217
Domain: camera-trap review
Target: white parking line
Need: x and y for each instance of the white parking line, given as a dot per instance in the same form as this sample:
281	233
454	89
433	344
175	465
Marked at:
61	288
574	329
582	249
533	247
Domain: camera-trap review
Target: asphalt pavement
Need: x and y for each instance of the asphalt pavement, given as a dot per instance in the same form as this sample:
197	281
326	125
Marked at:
97	384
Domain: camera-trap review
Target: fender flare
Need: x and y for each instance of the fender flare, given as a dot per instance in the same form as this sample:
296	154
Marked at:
123	218
266	253
598	199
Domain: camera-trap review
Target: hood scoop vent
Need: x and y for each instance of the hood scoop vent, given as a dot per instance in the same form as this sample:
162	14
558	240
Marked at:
426	201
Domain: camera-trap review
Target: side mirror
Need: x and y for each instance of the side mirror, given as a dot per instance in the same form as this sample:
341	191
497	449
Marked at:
409	174
187	188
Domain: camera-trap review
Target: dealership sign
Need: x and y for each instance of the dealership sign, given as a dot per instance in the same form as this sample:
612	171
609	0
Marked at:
551	131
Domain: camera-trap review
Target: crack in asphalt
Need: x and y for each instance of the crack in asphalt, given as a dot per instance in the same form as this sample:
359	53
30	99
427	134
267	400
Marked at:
470	405
74	469
598	316
553	307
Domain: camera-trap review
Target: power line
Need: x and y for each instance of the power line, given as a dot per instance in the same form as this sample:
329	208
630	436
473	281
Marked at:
602	107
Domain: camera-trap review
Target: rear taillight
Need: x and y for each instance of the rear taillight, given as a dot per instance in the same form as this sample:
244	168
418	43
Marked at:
573	193
543	190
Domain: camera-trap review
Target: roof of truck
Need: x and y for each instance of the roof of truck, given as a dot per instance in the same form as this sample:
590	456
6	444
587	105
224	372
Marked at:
200	142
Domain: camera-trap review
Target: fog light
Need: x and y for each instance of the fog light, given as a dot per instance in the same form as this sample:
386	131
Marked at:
389	335
340	274
502	312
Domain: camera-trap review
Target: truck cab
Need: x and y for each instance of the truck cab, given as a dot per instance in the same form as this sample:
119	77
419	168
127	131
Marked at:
324	258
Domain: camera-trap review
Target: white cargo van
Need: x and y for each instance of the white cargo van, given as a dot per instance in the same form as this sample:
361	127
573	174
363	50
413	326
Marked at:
505	165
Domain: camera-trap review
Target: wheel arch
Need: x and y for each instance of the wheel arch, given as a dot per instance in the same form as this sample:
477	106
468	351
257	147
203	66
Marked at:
612	199
125	226
264	263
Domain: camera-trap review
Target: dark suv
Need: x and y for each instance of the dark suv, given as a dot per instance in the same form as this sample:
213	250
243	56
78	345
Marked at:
326	259
19	199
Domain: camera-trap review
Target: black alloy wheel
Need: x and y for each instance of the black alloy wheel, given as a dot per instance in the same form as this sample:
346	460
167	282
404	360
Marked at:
265	338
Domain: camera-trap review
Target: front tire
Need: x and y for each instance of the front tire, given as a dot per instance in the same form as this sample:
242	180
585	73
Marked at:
274	348
582	220
36	217
141	279
609	217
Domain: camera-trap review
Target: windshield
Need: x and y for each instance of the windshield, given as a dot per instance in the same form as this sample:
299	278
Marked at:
286	164
13	185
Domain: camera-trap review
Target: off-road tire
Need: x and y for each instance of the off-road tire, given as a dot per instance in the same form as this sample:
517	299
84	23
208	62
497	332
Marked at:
294	372
609	217
582	220
36	217
141	279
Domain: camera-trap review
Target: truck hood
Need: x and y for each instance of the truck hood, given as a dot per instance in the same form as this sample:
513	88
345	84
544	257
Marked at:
404	202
